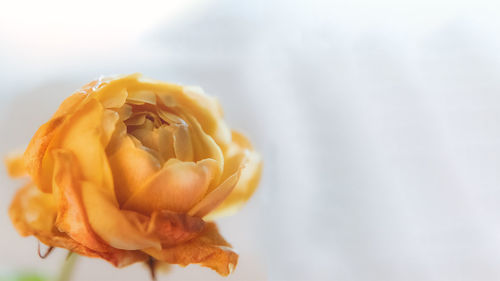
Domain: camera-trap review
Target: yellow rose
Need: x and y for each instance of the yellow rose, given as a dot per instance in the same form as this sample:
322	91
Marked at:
130	168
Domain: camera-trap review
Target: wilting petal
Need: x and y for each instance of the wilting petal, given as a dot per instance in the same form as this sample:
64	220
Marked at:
176	187
81	133
131	167
15	165
174	228
37	166
208	249
250	163
34	213
114	226
72	218
214	198
36	152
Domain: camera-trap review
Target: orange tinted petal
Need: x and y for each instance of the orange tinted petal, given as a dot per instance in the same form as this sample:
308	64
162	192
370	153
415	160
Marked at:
176	187
208	249
111	99
215	198
72	218
131	167
119	229
82	134
34	213
242	157
15	165
34	156
36	152
166	143
174	228
109	120
142	96
182	141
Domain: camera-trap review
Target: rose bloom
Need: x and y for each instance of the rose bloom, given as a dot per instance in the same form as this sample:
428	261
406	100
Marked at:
130	169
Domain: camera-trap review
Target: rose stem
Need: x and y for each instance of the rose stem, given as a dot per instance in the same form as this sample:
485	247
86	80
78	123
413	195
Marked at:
68	267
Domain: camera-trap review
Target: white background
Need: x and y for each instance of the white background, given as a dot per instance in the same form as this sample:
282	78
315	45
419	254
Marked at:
378	122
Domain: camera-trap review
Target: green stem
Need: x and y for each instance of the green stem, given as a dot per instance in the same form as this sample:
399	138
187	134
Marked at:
68	267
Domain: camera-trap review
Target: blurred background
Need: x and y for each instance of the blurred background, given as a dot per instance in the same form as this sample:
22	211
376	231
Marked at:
378	122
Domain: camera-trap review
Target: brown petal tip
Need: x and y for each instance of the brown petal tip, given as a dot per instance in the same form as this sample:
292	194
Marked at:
151	263
47	252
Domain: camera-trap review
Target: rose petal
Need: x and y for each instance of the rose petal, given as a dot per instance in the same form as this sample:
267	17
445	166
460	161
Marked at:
142	96
15	165
174	228
148	138
245	158
86	123
108	125
209	249
81	134
124	111
71	217
116	139
214	198
131	167
115	227
34	213
112	92
136	119
35	154
112	99
169	117
205	147
183	145
166	142
176	187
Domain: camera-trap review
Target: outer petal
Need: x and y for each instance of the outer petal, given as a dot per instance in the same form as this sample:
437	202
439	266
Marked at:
72	218
15	165
240	155
33	213
82	133
120	229
34	156
174	228
177	187
216	197
209	249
